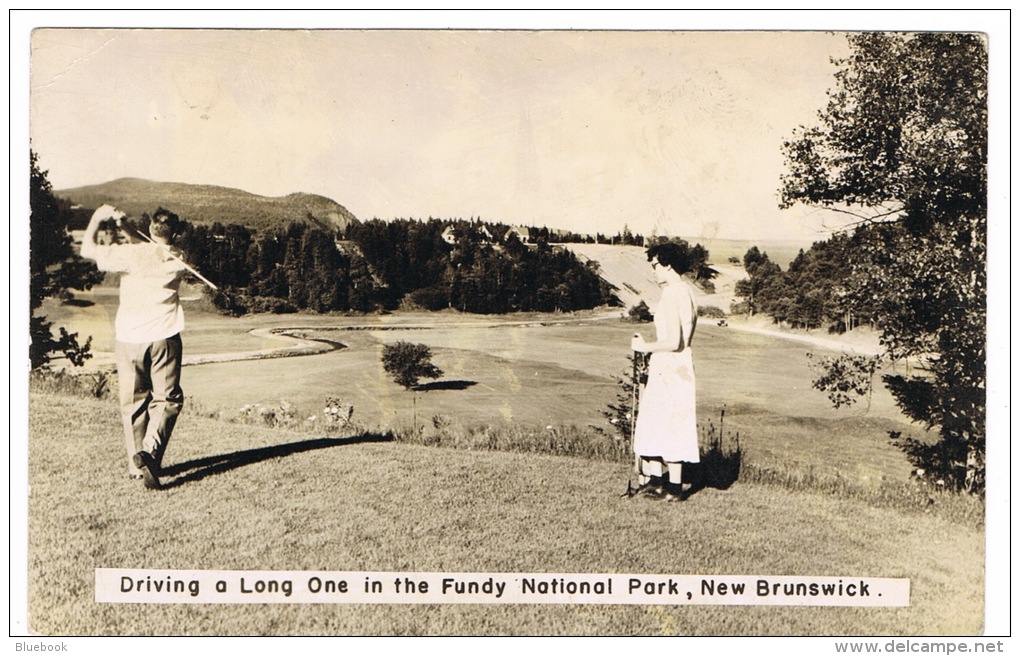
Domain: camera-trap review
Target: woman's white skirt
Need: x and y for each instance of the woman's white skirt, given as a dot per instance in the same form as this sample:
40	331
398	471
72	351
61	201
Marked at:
667	423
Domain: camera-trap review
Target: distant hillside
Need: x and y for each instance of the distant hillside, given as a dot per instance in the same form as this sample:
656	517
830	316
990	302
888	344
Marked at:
206	204
626	268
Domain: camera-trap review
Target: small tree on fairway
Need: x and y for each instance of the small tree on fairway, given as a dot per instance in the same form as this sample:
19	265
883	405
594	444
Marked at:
408	363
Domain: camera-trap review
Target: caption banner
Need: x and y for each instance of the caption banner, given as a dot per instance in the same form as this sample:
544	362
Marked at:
152	586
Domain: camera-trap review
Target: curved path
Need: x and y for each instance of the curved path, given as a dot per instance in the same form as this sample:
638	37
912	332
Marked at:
297	344
300	344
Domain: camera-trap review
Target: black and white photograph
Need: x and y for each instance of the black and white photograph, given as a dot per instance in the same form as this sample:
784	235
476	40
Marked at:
620	324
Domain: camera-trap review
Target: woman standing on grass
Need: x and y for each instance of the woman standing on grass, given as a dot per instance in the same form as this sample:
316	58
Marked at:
666	434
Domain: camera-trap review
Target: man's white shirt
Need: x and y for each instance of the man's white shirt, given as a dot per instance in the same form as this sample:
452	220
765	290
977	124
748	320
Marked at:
150	308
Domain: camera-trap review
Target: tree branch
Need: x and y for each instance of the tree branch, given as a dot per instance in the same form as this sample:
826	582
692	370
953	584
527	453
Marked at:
861	219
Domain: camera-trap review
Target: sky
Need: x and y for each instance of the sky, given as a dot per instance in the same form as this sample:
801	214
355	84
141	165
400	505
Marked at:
665	132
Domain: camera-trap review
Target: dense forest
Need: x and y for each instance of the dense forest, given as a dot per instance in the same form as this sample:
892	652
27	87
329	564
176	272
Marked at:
811	293
383	265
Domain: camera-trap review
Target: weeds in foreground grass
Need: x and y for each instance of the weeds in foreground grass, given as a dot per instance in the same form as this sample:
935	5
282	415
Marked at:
576	441
910	495
92	385
723	462
335	419
280	415
721	457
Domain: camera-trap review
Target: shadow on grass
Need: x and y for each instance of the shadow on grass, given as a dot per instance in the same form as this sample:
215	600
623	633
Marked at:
195	470
446	385
718	469
79	302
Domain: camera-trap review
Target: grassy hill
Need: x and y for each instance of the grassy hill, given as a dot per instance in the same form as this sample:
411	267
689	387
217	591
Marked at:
243	498
206	204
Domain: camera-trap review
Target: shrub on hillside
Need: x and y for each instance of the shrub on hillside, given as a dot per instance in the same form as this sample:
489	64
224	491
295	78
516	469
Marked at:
741	307
640	313
711	312
706	286
430	298
236	304
268	304
620	413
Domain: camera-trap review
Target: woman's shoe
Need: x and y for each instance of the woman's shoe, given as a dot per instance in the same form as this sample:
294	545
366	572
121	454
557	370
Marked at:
675	493
650	489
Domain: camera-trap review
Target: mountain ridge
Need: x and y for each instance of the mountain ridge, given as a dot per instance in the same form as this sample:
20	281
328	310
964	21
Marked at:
207	204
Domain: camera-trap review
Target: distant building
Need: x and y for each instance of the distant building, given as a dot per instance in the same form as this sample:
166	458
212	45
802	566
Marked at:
450	235
523	234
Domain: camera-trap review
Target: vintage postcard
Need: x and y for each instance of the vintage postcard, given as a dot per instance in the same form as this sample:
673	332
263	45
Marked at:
342	330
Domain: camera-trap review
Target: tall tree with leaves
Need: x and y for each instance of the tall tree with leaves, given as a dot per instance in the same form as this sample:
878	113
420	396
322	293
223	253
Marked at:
902	145
761	271
54	269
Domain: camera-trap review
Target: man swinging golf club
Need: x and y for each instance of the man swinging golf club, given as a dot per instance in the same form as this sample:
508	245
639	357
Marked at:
147	329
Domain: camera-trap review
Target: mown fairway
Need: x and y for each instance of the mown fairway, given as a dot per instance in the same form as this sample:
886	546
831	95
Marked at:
534	372
562	376
241	497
